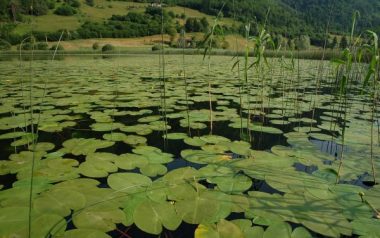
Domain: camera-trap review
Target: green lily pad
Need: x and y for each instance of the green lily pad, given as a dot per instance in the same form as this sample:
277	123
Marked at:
13	135
59	201
97	168
277	228
102	218
116	136
232	184
195	141
129	182
42	146
240	148
224	229
153	170
102	156
266	129
151	216
14	223
84	233
131	161
366	226
215	148
301	232
81	146
214	139
320	136
134	140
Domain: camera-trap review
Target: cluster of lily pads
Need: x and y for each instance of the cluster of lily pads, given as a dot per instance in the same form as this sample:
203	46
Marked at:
64	177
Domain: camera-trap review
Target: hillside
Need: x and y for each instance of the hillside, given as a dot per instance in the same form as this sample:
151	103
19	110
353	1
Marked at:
288	19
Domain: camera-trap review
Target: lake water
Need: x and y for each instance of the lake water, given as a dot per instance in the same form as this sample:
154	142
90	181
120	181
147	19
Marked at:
138	145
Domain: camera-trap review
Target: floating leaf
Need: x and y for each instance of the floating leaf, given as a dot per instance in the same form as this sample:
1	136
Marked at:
224	229
97	168
128	182
59	201
153	170
14	222
84	233
81	146
101	218
150	216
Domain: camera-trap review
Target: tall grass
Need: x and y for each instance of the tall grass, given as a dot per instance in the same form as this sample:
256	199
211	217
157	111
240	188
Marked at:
372	80
209	41
345	67
163	77
183	37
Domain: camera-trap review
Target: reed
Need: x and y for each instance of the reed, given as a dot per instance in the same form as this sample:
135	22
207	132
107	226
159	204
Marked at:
209	41
371	82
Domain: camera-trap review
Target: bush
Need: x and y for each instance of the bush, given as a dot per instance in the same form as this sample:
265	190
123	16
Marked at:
60	47
225	45
4	45
42	46
65	10
75	3
108	47
90	3
156	47
95	46
25	46
51	4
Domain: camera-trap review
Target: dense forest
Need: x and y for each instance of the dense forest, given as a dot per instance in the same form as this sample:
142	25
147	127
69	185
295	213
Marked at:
290	19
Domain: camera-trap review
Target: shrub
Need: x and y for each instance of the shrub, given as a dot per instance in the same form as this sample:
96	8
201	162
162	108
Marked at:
108	47
4	45
225	45
26	46
75	3
51	4
156	47
65	10
90	3
60	47
42	46
95	46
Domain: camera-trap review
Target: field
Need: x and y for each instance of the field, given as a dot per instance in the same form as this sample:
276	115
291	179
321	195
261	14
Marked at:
187	146
99	13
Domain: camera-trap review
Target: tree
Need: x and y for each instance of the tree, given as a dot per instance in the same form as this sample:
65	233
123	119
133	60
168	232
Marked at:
302	42
90	3
334	43
343	43
204	24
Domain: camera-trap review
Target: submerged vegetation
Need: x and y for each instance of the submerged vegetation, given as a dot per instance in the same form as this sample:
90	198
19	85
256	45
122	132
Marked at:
198	146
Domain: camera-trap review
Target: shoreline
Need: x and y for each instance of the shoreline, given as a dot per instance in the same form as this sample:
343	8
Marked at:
302	54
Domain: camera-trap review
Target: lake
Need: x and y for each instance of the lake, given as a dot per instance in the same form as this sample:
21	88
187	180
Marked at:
182	146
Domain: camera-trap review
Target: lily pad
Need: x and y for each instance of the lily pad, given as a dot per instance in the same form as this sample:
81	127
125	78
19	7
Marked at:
81	146
129	182
151	216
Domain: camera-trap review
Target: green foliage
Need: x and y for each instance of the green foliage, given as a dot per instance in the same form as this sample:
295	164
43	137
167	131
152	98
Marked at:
133	24
156	48
196	25
334	43
58	47
343	43
40	7
42	46
65	10
107	48
95	46
302	42
4	45
91	3
74	3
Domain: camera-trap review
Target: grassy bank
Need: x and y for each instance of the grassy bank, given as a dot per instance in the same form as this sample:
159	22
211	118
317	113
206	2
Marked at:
304	54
